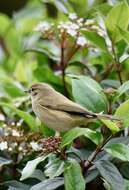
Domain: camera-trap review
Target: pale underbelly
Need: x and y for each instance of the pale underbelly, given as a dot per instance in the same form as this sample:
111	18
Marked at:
58	120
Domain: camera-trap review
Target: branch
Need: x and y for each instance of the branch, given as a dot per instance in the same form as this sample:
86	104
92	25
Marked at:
91	158
117	63
62	63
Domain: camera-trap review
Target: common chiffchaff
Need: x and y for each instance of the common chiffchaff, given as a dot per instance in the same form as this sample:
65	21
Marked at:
57	111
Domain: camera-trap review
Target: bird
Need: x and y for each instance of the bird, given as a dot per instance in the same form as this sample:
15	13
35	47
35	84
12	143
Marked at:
57	111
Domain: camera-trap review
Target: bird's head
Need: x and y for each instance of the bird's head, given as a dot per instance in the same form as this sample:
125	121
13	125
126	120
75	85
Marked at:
39	90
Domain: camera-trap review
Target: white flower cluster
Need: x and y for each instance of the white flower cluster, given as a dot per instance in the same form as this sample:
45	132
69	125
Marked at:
81	41
73	16
71	28
35	146
43	27
3	145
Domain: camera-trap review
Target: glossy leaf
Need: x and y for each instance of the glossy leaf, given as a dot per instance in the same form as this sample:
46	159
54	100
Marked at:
31	166
94	136
88	93
123	113
4	161
49	184
123	140
73	176
96	39
122	89
111	174
16	185
112	125
118	16
55	167
119	150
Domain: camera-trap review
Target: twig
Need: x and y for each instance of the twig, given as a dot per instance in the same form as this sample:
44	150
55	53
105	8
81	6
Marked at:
117	63
107	71
88	162
62	62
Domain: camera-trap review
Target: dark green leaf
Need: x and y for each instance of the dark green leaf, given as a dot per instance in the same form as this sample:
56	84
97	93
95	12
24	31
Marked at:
4	161
123	140
91	175
55	167
111	174
88	93
49	184
94	136
124	169
119	151
126	184
31	166
73	176
123	88
16	185
38	174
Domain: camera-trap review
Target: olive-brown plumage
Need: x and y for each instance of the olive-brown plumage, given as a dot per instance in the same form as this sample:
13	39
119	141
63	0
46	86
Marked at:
57	111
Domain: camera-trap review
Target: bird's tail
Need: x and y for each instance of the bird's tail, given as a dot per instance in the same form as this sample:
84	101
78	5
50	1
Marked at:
102	116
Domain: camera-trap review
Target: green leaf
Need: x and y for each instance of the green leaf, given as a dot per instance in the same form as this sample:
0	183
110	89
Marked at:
96	39
123	140
94	136
118	16
126	184
80	7
5	23
119	150
124	34
55	167
122	89
49	184
38	174
88	93
45	74
10	87
31	166
20	72
122	112
91	175
113	126
73	176
4	161
24	115
106	185
111	174
16	185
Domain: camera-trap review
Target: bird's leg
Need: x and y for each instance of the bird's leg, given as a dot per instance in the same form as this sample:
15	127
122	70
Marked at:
57	134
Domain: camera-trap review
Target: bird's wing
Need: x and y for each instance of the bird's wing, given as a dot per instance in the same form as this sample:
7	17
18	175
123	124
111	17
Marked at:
57	101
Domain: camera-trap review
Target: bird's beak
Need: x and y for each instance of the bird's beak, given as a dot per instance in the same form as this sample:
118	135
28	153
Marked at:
27	91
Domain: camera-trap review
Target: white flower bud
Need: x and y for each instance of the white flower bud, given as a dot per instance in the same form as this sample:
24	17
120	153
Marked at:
73	16
81	41
42	26
3	145
35	146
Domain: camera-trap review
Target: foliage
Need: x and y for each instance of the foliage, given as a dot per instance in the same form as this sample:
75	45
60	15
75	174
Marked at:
81	49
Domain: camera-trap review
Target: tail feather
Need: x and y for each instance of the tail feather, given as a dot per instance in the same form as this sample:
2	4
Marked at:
101	116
